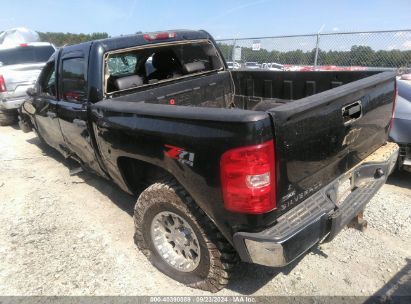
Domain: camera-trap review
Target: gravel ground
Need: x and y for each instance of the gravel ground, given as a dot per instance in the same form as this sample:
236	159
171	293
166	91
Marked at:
73	235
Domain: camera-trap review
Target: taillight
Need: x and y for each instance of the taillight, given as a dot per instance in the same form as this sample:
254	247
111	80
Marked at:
24	45
2	84
159	36
248	179
393	106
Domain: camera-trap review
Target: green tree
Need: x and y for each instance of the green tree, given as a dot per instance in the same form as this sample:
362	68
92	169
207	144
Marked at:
60	39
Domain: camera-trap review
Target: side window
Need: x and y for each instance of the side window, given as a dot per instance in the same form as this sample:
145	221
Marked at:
73	79
48	80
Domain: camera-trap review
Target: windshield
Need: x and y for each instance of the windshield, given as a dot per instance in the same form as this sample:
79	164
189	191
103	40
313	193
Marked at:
26	54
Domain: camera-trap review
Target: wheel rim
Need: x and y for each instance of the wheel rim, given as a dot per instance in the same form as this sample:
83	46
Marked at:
175	241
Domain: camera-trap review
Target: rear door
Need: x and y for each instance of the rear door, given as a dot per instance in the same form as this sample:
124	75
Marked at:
73	108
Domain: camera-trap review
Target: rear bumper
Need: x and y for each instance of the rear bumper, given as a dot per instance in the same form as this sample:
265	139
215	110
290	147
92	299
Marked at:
320	217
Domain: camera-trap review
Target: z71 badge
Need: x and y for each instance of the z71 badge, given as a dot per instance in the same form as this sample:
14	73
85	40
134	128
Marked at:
180	154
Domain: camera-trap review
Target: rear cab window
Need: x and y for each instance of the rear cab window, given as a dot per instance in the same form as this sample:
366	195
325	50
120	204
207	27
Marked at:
25	54
149	65
123	64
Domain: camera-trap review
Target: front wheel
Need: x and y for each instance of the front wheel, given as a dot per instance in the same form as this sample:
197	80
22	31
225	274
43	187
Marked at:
180	240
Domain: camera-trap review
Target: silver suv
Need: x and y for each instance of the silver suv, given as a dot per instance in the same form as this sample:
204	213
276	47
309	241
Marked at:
20	66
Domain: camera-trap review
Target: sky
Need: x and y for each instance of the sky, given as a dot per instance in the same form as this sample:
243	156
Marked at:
222	18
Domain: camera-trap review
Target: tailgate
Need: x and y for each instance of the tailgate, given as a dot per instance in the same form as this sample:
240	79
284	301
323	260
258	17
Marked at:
320	137
20	77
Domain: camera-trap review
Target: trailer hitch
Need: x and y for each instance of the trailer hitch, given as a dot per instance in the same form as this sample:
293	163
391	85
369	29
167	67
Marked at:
358	222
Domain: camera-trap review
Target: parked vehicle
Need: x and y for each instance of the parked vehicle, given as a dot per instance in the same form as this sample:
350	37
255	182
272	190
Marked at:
298	68
250	164
272	66
401	124
232	65
20	66
252	65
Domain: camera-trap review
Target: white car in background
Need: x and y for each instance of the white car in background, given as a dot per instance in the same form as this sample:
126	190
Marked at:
252	65
273	66
20	66
232	65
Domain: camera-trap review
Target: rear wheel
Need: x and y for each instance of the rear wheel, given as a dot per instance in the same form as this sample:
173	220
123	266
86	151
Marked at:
8	117
180	240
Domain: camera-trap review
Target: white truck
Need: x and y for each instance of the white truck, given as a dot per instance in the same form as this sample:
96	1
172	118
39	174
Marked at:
20	66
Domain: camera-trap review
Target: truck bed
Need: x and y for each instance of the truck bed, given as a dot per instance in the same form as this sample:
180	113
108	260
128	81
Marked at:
246	89
314	144
263	90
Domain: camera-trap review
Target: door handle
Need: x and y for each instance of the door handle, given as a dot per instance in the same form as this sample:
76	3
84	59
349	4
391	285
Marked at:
352	112
51	114
79	122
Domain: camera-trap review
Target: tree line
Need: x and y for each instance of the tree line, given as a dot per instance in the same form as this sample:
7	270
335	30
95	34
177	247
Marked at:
358	55
60	39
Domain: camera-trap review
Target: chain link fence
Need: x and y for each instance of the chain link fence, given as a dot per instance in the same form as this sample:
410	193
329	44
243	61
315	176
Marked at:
349	50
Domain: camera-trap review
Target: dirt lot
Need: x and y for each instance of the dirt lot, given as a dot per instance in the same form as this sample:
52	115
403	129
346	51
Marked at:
73	235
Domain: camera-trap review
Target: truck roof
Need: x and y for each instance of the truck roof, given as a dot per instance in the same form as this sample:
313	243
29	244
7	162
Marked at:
126	41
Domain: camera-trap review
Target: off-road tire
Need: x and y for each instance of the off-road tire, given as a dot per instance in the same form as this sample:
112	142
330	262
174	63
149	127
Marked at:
217	257
8	117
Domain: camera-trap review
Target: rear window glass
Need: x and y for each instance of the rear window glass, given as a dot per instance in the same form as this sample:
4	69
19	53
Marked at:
122	64
26	54
155	64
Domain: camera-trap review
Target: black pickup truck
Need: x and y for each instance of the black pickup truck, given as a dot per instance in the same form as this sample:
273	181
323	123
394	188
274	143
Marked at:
248	165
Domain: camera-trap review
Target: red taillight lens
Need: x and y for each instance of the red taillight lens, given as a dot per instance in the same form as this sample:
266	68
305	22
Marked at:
2	84
248	179
159	36
393	105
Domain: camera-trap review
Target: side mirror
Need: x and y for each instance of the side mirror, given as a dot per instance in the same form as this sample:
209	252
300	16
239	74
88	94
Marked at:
31	92
28	107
